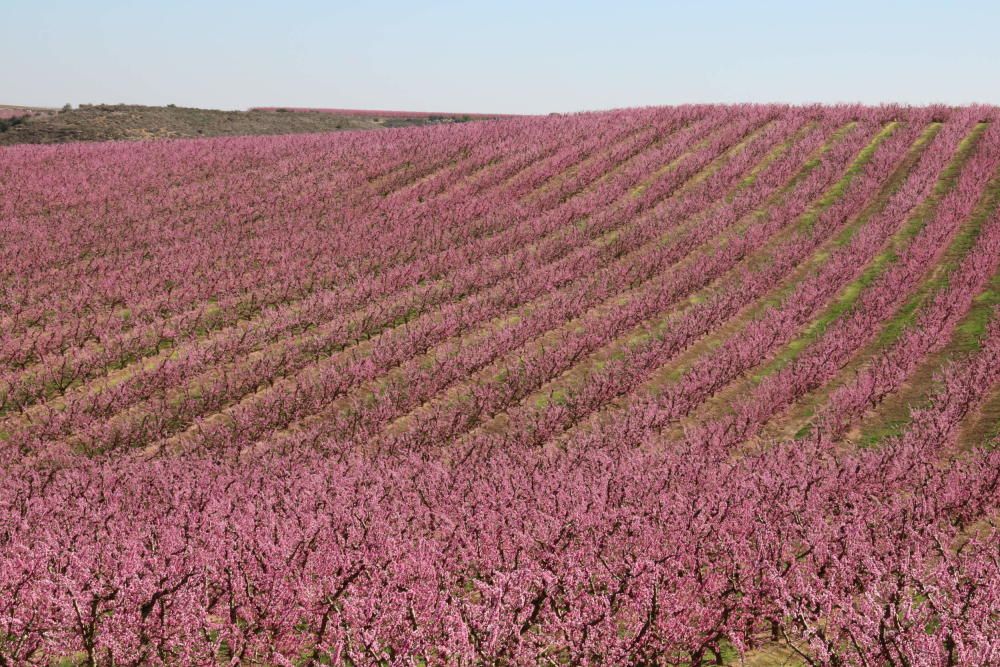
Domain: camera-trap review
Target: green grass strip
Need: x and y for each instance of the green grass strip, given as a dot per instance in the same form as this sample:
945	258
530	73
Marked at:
877	267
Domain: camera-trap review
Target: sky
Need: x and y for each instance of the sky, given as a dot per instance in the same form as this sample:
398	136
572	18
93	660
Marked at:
500	57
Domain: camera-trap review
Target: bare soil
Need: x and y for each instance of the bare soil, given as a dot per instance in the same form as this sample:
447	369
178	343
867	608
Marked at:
105	122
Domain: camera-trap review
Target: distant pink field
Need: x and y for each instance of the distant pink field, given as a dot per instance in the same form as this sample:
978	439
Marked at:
12	113
381	113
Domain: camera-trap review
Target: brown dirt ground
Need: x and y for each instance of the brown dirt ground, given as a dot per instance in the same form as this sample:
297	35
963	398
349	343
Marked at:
103	122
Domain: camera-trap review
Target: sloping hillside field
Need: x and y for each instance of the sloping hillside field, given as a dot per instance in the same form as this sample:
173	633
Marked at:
667	386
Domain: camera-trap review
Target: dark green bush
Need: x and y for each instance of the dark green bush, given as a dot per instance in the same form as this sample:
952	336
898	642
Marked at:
13	121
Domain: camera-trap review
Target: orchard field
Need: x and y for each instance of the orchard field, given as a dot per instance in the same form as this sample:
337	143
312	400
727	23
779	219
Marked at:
666	386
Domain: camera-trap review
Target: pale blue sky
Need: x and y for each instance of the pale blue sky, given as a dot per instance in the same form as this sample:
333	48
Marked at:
514	56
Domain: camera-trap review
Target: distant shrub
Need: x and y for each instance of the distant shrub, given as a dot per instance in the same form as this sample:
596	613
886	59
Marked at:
7	123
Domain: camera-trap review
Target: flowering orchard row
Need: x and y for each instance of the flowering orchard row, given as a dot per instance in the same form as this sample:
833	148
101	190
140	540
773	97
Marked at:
579	389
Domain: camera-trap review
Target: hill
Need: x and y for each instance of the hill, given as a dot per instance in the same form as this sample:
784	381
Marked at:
665	386
104	122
